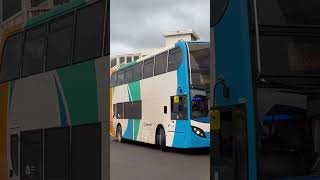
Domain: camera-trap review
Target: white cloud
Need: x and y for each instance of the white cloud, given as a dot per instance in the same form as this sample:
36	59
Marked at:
137	24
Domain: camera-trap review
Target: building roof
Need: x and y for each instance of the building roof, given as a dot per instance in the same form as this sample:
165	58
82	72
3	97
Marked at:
181	32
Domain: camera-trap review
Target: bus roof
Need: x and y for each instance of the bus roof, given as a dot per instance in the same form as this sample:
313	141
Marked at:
153	54
58	11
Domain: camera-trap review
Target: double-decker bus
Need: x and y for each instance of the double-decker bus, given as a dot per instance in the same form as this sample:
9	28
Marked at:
162	98
54	94
265	118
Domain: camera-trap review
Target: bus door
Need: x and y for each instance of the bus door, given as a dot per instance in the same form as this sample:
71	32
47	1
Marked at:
31	164
229	152
179	110
14	143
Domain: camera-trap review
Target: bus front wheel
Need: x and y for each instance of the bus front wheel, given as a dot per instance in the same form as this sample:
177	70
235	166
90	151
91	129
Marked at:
119	134
161	139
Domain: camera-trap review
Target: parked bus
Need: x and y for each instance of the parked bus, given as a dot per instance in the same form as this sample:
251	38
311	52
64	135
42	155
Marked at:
163	98
53	91
265	118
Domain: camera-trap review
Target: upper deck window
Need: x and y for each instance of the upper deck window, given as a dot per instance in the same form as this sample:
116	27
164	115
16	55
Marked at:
137	69
200	66
113	62
10	8
161	63
148	68
113	80
122	59
10	65
129	59
60	42
34	51
89	32
128	75
174	59
120	78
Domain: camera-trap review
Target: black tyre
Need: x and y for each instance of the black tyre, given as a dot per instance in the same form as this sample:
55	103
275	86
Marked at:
119	134
161	139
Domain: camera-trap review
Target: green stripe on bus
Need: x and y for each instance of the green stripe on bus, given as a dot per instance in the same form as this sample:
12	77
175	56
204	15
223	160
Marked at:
136	96
136	126
66	8
80	89
135	90
127	65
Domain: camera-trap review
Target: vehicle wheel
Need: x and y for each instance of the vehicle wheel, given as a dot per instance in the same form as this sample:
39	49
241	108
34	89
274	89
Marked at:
119	134
161	139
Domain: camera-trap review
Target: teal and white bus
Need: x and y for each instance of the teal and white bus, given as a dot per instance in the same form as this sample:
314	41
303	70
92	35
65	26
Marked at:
267	59
53	95
162	98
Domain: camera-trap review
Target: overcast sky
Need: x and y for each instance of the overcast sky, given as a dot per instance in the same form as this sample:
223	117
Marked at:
137	24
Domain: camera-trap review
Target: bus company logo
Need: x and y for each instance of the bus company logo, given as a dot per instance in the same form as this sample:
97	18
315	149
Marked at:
302	63
147	124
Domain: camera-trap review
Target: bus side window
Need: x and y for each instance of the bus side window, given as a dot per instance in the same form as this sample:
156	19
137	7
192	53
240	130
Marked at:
132	110
88	41
34	51
113	81
179	107
174	59
161	63
137	113
60	42
119	110
128	75
127	110
120	78
148	67
10	65
115	110
137	72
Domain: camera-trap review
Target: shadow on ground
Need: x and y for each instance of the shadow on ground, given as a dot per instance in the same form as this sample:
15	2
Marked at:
190	151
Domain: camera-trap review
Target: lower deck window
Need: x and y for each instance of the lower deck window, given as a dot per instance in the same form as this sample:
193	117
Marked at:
128	110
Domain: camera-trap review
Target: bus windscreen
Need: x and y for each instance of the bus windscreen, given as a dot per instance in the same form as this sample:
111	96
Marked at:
199	60
288	12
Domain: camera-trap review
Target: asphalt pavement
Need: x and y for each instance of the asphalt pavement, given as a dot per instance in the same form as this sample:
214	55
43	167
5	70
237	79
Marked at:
139	161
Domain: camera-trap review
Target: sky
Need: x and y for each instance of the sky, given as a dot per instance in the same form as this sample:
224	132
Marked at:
138	24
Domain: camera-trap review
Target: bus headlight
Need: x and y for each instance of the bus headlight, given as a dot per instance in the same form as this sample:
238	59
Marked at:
198	131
